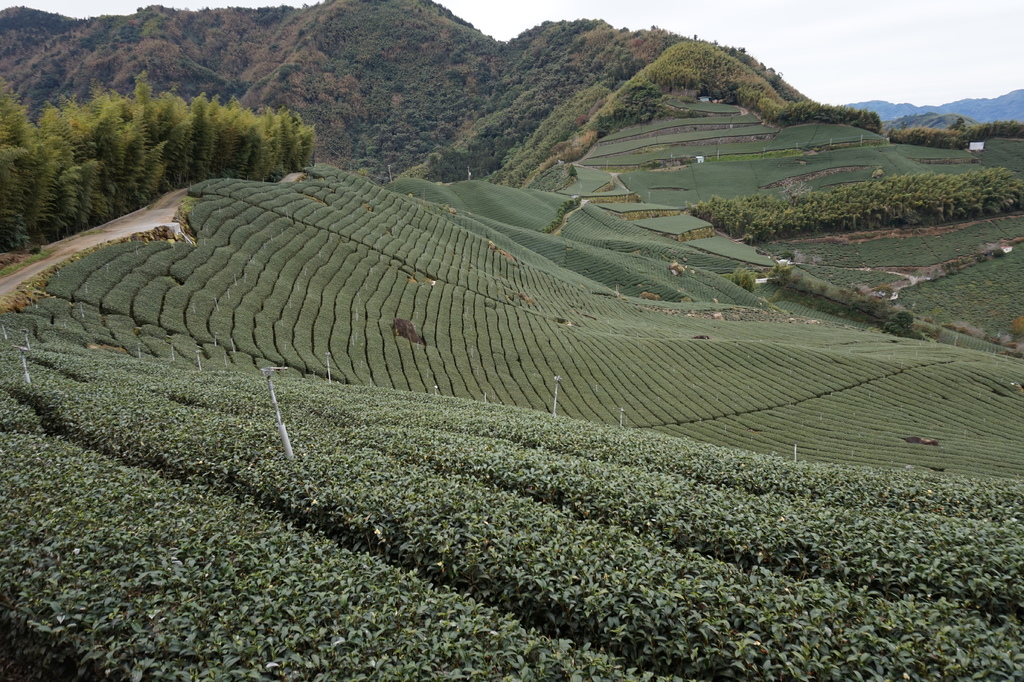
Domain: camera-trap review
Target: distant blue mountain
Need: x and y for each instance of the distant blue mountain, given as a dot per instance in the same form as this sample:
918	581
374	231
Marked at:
1009	107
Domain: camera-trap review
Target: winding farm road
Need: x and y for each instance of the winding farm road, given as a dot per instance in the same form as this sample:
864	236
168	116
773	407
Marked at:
161	212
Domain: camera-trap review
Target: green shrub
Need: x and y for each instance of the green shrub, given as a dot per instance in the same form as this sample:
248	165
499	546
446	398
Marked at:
743	277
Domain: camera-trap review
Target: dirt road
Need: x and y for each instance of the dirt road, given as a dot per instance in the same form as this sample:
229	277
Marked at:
160	213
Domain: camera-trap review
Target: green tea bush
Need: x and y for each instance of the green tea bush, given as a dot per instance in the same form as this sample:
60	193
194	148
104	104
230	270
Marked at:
534	549
108	570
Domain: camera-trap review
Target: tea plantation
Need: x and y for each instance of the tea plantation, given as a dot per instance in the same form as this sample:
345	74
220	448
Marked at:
154	528
965	275
312	276
583	469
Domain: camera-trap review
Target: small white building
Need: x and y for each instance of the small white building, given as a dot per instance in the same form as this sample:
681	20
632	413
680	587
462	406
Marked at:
977	146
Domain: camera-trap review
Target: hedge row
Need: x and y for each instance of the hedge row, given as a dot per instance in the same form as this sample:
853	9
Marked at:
666	611
894	553
113	572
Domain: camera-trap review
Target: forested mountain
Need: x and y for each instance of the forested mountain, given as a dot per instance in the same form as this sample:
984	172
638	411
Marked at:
384	82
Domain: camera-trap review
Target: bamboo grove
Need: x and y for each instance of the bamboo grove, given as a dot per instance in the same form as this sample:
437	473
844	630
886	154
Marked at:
894	202
81	164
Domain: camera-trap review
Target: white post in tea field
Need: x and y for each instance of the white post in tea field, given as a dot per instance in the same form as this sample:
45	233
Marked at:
199	358
28	346
554	406
622	412
328	354
24	363
285	441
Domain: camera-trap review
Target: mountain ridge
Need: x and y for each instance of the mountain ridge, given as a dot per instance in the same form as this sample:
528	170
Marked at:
1008	107
387	84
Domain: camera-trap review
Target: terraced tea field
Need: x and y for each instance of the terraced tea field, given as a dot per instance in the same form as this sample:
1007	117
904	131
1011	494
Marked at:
312	275
723	246
705	108
988	295
947	276
905	251
817	171
821	135
639	150
519	496
1004	154
422	536
730	136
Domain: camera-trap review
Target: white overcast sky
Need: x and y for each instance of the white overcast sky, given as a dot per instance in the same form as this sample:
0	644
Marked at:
834	51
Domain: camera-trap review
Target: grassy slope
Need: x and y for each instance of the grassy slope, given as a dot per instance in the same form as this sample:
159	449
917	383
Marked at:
284	275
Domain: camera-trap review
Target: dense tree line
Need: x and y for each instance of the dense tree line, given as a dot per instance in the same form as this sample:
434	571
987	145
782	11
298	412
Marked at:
894	202
956	136
79	165
807	111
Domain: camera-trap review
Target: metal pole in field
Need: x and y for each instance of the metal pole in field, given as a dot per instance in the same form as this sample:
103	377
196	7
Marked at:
554	406
328	354
28	346
199	359
794	452
4	328
285	441
138	350
24	363
622	412
435	389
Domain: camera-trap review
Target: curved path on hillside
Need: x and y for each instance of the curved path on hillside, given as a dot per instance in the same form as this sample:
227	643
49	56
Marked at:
161	212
